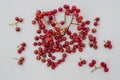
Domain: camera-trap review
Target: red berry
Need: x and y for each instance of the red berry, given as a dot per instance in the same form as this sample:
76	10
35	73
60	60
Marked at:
93	62
66	6
62	22
77	10
110	46
53	24
38	31
109	42
87	22
80	63
106	69
35	51
60	9
19	51
53	57
23	44
17	18
74	8
20	62
22	59
91	65
78	28
35	43
22	48
103	64
38	57
105	45
33	22
17	29
83	61
97	19
20	19
64	55
94	30
36	38
95	23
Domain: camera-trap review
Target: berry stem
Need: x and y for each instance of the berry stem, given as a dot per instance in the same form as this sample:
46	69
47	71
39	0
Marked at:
75	23
95	68
71	21
16	58
14	23
45	20
65	18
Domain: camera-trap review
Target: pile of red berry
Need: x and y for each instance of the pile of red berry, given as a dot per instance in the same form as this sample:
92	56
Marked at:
53	35
56	37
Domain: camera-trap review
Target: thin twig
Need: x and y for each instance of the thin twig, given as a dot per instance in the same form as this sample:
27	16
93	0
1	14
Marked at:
71	21
65	18
14	23
75	23
45	20
95	68
16	58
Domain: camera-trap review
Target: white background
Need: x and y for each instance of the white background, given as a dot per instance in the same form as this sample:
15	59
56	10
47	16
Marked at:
109	12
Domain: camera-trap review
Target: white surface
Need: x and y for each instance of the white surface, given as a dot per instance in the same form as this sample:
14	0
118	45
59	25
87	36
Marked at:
109	12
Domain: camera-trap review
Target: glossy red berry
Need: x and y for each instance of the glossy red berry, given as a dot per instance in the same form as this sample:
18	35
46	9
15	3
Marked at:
17	29
20	19
80	63
83	61
23	44
97	18
103	64
93	62
60	9
20	62
106	69
64	55
22	59
33	22
38	57
91	65
17	18
94	30
95	23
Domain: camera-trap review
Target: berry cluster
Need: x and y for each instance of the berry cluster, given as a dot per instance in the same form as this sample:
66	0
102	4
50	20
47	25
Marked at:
93	64
20	61
81	62
108	44
18	20
52	35
21	47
